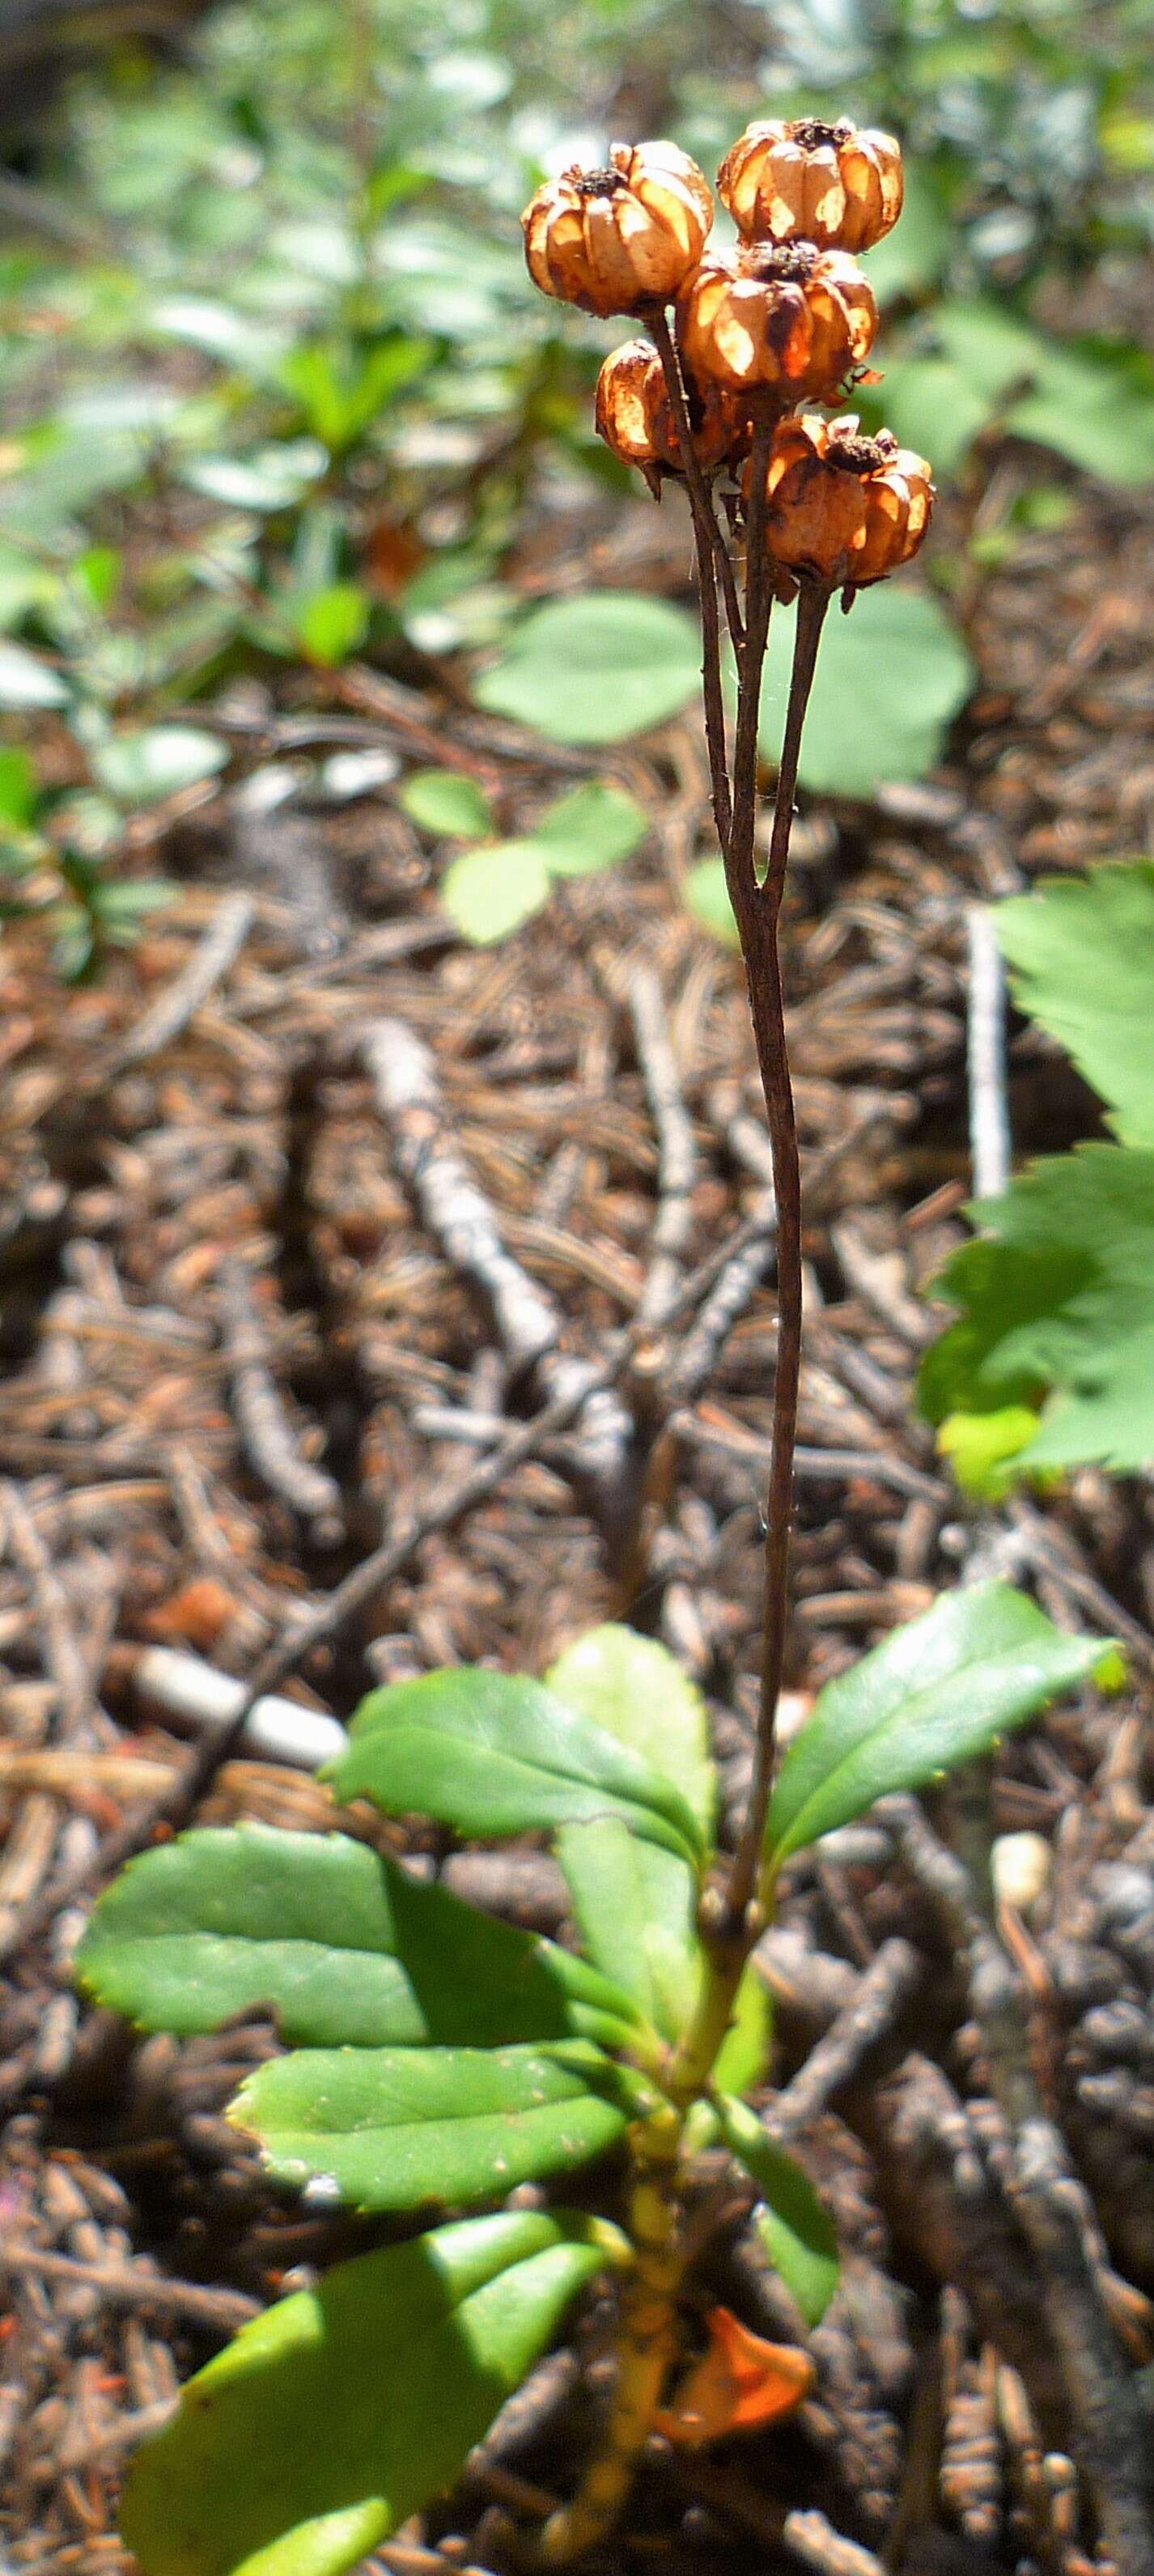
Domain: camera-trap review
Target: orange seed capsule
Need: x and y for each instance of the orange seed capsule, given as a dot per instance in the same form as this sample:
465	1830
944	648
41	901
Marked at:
635	419
837	185
783	316
843	509
623	238
740	2383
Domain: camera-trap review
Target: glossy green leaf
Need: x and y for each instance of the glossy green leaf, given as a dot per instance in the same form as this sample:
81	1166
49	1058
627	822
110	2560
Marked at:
142	768
443	802
633	1688
796	2232
933	1695
342	1945
346	2408
636	1905
489	893
1057	1311
596	668
890	679
404	2128
18	789
984	1449
494	1753
743	2057
275	477
1081	951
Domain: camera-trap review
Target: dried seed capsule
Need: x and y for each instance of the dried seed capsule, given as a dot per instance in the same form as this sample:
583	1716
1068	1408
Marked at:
842	508
802	180
788	317
620	239
635	418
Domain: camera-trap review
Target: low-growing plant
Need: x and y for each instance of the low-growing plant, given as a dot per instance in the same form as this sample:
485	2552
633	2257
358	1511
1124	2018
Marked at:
435	2058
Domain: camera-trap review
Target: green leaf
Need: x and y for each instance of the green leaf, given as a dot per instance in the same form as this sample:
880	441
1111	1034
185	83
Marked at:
26	683
330	623
743	2057
339	1942
442	802
890	678
596	669
984	1448
591	828
346	2408
1082	954
489	893
142	768
1057	1303
933	1695
405	2128
707	898
632	1687
635	1905
796	2232
495	1753
18	790
275	477
1090	401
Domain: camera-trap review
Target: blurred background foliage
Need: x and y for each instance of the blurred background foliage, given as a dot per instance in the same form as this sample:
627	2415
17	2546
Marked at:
276	387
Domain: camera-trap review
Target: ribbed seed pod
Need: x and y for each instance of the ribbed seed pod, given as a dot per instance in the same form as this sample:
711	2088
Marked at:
842	508
802	180
635	418
623	238
789	318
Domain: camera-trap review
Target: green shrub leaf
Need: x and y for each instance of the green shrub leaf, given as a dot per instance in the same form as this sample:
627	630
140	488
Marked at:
934	1694
597	668
494	1753
27	683
1081	950
141	768
344	2409
796	2232
336	1940
707	898
443	802
636	1905
890	678
489	893
1057	1307
403	2128
592	828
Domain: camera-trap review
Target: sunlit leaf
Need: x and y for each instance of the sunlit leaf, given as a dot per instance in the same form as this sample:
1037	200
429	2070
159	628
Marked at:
890	679
443	802
934	1694
26	683
141	768
796	2232
596	668
329	624
336	1940
591	828
1081	950
344	2409
494	1753
1057	1311
489	893
707	897
406	2128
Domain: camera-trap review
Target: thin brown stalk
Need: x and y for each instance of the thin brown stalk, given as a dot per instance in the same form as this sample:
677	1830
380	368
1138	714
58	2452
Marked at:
705	529
811	611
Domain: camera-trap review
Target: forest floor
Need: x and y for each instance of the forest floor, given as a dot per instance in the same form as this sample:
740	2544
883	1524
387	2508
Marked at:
241	1358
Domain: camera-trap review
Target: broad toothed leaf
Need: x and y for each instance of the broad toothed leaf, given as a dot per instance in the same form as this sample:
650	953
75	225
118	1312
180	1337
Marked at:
346	2408
337	1941
400	2128
493	1753
934	1694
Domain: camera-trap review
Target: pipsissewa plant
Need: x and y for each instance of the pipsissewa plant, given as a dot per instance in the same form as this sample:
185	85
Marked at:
436	2058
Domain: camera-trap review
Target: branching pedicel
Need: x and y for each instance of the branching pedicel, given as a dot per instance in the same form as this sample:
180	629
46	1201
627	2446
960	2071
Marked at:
787	317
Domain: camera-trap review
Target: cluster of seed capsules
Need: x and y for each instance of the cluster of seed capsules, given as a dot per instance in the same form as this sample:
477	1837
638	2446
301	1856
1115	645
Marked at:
785	319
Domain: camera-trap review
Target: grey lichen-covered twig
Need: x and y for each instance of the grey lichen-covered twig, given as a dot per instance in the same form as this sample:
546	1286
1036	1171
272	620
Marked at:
269	1439
458	1215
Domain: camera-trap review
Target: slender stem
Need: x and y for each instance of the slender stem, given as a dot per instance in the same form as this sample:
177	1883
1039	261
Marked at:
705	530
758	602
812	604
733	617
